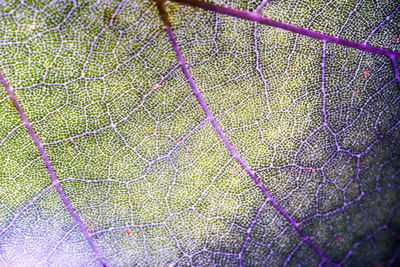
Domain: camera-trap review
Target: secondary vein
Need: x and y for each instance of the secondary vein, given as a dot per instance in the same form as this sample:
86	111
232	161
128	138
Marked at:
254	16
49	168
225	140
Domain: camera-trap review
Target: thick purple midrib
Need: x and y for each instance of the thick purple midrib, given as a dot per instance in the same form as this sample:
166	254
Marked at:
225	139
254	16
46	160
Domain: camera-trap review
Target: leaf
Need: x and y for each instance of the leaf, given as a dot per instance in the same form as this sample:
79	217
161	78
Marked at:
194	133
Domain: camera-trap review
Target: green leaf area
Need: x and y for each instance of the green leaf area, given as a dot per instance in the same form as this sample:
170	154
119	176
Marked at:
144	169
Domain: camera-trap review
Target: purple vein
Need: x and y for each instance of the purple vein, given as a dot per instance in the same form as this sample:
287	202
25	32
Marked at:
323	84
46	160
30	203
225	140
116	13
382	23
253	223
396	70
261	6
252	16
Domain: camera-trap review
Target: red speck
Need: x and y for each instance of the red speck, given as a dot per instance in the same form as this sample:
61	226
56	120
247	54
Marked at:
309	169
337	238
127	232
366	73
178	141
395	38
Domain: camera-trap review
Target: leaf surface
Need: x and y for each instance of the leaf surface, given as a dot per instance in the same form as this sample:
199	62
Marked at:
147	173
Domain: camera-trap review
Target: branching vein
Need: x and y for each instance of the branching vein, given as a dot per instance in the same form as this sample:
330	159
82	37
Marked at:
225	140
49	168
252	16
